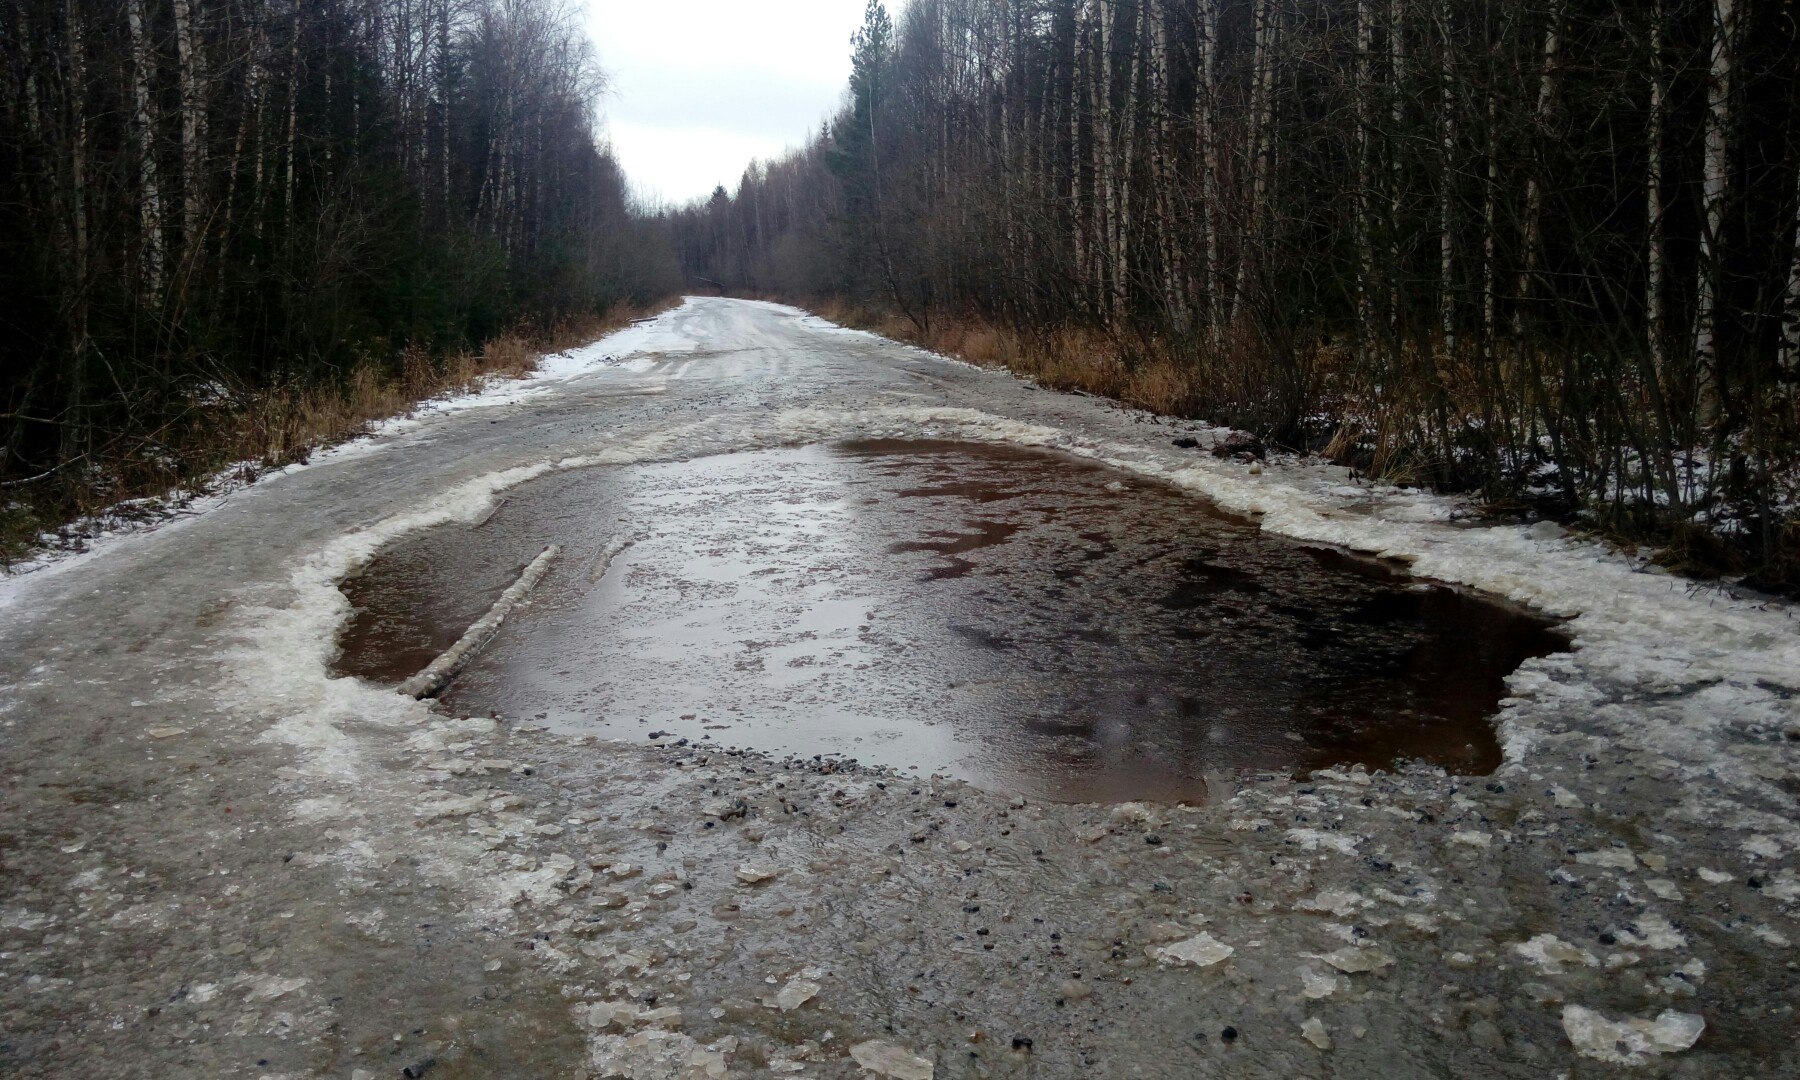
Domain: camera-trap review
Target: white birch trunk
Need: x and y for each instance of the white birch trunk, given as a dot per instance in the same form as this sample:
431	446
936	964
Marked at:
1714	185
191	55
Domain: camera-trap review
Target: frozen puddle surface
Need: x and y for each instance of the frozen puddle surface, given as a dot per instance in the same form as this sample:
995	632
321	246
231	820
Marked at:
1022	619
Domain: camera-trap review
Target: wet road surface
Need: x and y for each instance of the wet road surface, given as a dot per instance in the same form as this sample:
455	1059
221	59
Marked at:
218	859
1021	619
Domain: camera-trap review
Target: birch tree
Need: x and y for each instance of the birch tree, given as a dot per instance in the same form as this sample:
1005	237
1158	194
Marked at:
143	137
1715	178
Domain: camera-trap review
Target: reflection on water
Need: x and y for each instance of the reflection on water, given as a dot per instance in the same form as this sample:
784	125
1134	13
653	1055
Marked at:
1023	619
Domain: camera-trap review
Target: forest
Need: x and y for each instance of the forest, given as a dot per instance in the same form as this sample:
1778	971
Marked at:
229	228
1543	251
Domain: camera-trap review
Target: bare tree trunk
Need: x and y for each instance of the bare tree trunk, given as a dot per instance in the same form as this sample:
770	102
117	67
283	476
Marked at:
1495	396
1257	150
1008	173
1105	165
1534	188
143	137
443	31
1714	184
1790	330
1447	178
189	46
1168	242
1363	91
293	128
1490	229
325	78
249	117
1657	264
75	429
259	89
1655	338
1205	106
1077	215
1121	275
1396	31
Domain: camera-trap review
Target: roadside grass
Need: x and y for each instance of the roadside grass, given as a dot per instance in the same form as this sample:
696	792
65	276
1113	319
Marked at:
233	434
1387	439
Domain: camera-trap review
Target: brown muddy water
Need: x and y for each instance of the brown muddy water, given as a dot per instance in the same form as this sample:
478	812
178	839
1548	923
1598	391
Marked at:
1025	620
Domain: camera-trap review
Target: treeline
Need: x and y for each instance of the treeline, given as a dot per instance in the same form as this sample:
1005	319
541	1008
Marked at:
200	198
1542	248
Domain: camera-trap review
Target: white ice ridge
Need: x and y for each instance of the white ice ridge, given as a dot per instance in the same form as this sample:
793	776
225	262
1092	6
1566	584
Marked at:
440	671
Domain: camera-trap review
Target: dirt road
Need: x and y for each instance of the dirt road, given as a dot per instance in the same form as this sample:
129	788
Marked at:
216	859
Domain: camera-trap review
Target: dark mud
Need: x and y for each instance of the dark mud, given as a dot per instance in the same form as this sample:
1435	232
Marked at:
1021	619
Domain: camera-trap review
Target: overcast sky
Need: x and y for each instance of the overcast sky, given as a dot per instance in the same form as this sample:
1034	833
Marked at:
701	87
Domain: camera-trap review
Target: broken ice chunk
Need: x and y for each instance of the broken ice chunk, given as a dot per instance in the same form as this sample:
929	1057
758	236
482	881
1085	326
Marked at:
1614	858
800	988
1553	955
1314	1032
1352	960
1763	847
1630	1041
1201	950
886	1059
1315	985
1653	932
1331	901
657	1053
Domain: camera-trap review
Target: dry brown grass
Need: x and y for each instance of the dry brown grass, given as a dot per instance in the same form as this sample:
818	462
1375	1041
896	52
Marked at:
249	430
1068	358
281	424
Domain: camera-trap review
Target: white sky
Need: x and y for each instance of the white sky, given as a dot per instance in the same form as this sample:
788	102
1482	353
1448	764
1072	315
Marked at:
702	87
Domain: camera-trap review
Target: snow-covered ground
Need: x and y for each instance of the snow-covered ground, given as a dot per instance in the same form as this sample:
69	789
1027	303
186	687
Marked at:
223	858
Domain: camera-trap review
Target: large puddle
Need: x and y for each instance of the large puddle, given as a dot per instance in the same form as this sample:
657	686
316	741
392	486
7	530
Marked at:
1025	620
